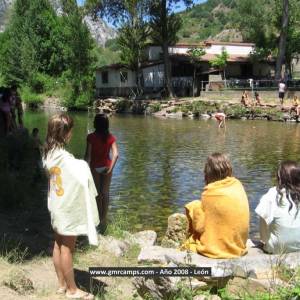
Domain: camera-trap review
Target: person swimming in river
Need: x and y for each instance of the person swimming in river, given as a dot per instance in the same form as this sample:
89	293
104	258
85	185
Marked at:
220	117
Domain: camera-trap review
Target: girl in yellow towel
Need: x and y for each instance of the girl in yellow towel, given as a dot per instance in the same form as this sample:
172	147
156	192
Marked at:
219	223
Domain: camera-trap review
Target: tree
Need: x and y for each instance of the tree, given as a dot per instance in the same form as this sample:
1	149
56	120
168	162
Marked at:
195	55
165	26
220	61
133	36
131	18
282	38
78	52
31	42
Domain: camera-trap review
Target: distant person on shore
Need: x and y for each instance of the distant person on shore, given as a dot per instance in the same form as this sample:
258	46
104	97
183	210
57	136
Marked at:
220	117
281	91
295	105
219	223
245	101
279	213
257	99
100	144
5	110
16	105
71	202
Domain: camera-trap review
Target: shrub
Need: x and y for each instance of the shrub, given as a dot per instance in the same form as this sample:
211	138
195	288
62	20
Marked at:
29	97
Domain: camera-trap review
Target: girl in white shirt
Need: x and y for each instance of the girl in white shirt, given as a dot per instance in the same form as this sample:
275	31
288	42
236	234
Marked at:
279	213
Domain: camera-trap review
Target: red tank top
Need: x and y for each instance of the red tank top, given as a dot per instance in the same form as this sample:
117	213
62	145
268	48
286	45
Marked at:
100	149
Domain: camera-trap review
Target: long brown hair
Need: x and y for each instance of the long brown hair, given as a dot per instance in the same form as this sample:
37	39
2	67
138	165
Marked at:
288	177
217	167
59	127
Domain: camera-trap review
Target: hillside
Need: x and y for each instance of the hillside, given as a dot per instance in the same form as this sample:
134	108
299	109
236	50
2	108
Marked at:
209	20
100	31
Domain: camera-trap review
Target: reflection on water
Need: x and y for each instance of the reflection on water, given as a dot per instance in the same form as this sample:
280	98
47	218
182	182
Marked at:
161	161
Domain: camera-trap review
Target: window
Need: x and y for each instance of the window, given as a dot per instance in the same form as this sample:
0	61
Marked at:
123	76
104	76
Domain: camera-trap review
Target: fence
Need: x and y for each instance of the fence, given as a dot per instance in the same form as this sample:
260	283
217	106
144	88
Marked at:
247	84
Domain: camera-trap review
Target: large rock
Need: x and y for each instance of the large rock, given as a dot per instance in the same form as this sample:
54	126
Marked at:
255	264
146	238
112	245
165	287
176	232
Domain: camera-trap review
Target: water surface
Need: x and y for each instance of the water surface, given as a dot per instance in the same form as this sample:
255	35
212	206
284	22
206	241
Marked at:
161	161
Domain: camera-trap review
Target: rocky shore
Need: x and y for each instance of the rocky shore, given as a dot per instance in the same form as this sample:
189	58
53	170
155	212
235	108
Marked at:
197	109
255	276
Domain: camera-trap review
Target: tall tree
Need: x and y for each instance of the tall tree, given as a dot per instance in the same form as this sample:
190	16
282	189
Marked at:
165	26
282	38
78	43
195	55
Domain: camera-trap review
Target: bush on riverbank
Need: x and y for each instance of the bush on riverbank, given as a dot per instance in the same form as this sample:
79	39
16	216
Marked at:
32	99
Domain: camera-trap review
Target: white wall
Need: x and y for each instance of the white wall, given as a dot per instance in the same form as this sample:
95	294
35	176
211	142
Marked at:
154	52
231	49
114	79
153	76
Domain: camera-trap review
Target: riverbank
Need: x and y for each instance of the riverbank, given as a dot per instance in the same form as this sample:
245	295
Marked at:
254	276
195	108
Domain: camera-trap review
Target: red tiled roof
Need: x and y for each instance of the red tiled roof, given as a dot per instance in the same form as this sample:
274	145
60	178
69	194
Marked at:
208	42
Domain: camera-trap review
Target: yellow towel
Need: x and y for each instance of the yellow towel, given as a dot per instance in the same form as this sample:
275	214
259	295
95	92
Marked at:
219	223
71	196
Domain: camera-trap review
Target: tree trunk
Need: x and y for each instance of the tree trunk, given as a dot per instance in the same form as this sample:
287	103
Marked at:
194	79
165	48
282	39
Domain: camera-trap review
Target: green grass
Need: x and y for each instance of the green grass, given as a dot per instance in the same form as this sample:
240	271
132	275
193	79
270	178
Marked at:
118	225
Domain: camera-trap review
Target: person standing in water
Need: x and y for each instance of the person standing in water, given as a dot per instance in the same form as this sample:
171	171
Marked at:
100	144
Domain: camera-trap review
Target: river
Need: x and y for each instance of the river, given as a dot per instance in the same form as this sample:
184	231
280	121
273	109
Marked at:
161	161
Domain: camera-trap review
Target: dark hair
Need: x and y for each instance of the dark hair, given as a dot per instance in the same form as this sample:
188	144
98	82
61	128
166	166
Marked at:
35	130
256	94
6	95
288	177
59	126
217	167
101	124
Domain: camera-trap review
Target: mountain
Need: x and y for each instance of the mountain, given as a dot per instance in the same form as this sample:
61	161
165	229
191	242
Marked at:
209	20
4	8
100	31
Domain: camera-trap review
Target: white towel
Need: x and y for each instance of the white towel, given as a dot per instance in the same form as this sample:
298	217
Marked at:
71	196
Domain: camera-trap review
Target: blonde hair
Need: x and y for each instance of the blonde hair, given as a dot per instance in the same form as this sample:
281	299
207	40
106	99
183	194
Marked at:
217	167
59	127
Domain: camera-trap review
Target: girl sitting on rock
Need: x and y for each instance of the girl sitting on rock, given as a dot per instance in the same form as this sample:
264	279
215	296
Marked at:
219	223
71	202
279	213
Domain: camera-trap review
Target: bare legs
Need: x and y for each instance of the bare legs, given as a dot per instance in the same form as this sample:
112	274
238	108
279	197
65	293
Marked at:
63	261
102	182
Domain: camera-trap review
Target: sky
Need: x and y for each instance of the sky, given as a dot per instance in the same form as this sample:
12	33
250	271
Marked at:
178	8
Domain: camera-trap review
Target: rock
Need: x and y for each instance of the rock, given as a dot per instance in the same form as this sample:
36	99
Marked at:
239	287
145	238
165	287
175	115
112	245
176	232
207	297
156	287
255	264
156	254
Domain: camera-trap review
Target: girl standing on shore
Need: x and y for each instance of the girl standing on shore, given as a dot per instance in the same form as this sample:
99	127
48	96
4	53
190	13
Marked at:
71	202
100	144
